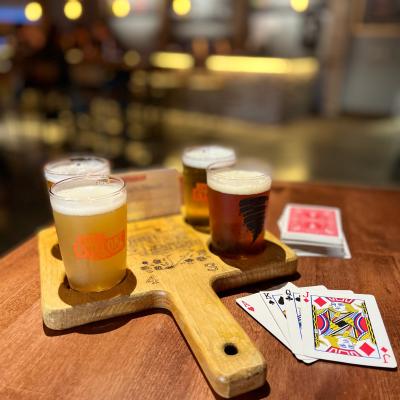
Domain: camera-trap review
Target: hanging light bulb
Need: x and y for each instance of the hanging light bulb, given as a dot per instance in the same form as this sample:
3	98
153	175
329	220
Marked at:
33	11
73	9
299	5
181	7
121	8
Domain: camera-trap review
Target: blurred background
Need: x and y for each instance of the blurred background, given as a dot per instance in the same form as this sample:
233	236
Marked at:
310	87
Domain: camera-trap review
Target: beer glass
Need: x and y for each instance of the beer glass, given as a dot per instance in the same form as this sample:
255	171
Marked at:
90	215
195	161
238	203
59	170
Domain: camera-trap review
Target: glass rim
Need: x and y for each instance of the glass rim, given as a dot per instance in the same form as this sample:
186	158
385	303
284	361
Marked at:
219	167
84	157
94	178
226	158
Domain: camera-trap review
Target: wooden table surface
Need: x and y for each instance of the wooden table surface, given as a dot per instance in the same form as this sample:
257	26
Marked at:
145	356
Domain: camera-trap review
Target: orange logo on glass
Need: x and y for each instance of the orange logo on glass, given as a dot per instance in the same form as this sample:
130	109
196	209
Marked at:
97	246
199	193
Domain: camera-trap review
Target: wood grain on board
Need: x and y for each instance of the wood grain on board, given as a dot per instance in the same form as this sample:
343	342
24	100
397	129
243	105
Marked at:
170	266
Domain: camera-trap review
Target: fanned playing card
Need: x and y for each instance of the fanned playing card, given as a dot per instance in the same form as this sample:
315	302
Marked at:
276	302
317	323
294	316
345	328
255	306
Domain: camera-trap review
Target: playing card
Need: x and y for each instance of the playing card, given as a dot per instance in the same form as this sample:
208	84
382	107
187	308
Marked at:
313	231
255	306
307	250
276	301
345	328
312	223
294	316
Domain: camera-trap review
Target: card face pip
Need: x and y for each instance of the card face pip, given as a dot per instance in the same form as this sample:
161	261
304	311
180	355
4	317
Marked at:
348	329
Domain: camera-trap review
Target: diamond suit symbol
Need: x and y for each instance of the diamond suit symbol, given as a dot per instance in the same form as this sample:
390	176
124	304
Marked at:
320	301
367	349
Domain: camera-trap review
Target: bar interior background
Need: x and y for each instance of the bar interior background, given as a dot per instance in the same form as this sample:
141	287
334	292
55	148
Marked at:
309	87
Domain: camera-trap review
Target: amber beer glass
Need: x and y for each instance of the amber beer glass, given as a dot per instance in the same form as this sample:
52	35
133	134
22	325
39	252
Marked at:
75	166
91	220
238	202
195	161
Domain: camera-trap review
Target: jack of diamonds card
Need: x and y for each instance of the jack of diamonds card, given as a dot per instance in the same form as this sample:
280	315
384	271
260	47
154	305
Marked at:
345	329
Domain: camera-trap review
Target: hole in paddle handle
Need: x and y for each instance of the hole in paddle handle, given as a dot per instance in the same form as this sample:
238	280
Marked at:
55	251
230	349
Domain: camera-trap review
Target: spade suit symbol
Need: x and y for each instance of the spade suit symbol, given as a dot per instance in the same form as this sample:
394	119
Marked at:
281	301
252	210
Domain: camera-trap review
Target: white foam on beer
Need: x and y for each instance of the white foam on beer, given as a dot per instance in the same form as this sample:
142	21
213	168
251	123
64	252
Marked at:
65	169
88	200
236	181
202	157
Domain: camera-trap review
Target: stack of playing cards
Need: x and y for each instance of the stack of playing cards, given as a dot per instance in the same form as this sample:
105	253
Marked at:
313	231
317	323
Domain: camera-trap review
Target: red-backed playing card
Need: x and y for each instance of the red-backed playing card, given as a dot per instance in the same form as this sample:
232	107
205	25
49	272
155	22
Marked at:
315	224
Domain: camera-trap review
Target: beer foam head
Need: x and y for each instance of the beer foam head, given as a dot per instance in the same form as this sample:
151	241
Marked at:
203	156
86	196
237	181
75	166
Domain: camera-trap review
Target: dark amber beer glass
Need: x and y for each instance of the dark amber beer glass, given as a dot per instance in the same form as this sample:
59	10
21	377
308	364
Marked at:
195	161
65	168
238	203
91	220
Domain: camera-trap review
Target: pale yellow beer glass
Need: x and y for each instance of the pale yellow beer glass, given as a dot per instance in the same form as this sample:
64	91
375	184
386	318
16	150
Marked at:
90	215
195	161
65	168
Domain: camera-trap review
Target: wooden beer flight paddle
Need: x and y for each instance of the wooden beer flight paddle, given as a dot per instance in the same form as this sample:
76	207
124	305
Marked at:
171	267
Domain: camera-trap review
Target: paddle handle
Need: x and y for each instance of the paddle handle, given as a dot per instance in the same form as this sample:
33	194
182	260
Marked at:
228	358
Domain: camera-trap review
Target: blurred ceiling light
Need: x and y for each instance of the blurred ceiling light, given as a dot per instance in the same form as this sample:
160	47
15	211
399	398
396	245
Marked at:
73	9
172	60
131	58
74	56
33	11
299	5
181	7
121	8
262	65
